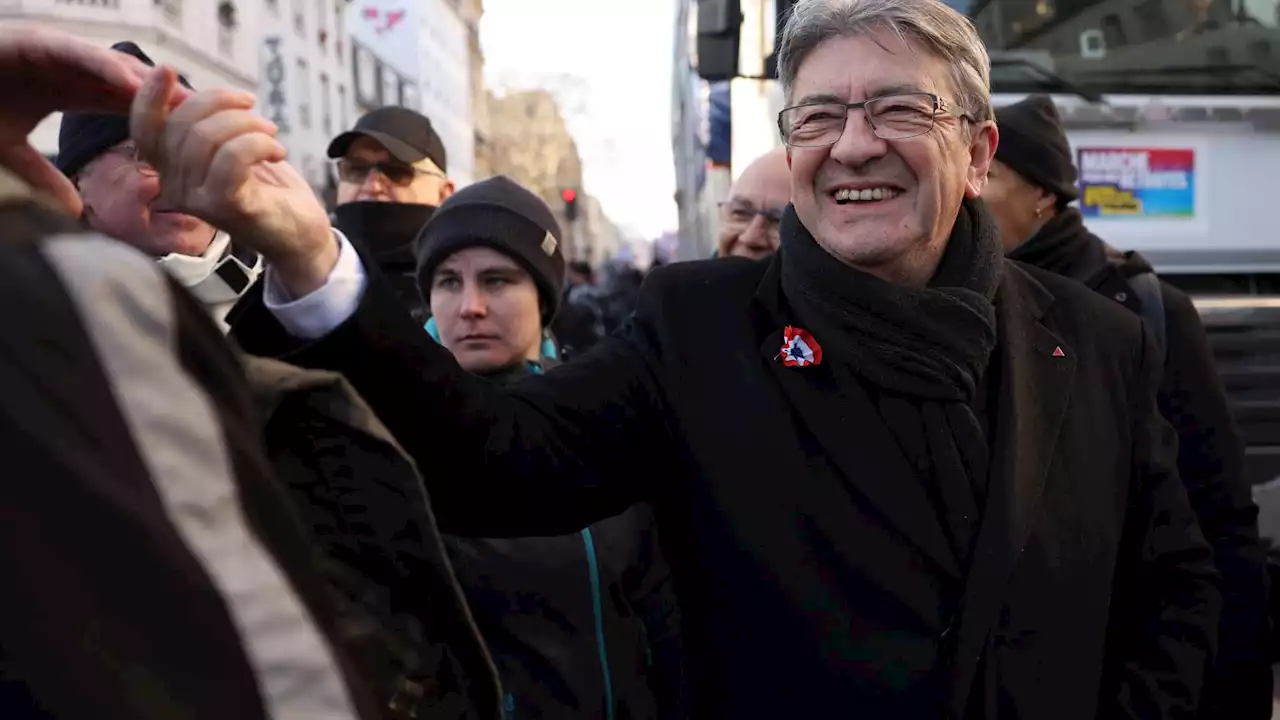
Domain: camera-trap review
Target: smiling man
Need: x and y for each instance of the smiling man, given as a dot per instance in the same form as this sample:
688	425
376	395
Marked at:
897	475
749	218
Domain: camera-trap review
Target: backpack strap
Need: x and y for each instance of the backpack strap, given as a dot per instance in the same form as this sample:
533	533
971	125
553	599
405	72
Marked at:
1147	286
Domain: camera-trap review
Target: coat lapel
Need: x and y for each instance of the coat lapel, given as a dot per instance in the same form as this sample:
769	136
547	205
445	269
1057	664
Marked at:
1037	370
862	448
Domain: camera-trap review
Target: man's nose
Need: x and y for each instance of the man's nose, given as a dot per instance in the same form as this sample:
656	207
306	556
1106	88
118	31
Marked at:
375	183
859	143
757	230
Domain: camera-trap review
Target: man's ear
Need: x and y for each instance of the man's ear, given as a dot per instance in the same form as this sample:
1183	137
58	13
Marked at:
982	150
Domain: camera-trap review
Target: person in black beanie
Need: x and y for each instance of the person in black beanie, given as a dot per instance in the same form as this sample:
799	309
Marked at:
492	227
1031	185
579	625
121	196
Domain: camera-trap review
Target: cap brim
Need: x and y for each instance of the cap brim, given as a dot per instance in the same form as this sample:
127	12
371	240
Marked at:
399	150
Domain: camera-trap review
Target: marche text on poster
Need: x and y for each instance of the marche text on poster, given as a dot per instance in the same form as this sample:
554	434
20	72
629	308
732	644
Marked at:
1137	182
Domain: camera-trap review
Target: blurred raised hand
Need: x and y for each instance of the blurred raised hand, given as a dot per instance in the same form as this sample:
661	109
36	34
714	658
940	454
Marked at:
221	162
43	71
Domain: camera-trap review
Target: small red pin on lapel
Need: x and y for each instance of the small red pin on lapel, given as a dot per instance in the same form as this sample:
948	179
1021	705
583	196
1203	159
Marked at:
799	349
1057	352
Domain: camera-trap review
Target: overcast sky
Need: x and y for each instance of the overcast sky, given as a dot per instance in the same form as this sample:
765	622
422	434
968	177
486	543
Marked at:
619	54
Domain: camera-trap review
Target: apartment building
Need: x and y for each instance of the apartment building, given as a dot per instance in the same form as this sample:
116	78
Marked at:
304	60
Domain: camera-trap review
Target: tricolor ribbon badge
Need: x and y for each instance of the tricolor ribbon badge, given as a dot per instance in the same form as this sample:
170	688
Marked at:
799	349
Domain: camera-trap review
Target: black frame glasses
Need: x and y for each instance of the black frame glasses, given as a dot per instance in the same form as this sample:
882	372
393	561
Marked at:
356	172
891	117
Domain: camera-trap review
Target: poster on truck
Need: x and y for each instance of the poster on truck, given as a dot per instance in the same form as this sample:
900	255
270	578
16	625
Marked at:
1137	182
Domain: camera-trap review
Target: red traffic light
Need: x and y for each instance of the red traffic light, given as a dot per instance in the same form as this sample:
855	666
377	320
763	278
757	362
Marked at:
569	194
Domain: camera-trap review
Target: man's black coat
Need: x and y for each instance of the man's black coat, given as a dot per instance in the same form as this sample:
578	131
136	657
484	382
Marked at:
814	576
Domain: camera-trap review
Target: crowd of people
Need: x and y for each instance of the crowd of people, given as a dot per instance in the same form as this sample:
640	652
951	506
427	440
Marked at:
916	444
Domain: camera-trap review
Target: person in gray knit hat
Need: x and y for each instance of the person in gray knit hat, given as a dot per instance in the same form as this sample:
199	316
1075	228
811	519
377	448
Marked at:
578	624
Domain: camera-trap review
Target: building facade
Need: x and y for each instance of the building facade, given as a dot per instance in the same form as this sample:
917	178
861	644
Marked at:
531	144
445	80
416	54
304	79
214	43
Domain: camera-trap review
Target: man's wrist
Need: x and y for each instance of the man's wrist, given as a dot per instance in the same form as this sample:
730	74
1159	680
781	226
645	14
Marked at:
305	272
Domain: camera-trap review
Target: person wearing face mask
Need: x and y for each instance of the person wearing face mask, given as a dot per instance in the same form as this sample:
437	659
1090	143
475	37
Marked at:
579	625
391	170
121	197
1030	187
749	218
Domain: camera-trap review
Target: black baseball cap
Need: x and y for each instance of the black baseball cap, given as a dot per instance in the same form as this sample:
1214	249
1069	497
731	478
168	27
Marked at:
406	134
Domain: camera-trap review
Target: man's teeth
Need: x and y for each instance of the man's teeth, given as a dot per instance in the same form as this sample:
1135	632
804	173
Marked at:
865	195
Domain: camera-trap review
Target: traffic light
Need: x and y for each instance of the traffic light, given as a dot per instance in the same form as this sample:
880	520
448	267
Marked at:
570	197
719	25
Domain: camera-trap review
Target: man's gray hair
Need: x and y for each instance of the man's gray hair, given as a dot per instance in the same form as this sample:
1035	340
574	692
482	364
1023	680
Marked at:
930	23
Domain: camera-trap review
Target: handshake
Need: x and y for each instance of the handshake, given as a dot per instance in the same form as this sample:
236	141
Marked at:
217	160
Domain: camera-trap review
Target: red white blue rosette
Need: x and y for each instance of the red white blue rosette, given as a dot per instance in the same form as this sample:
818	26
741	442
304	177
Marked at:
799	349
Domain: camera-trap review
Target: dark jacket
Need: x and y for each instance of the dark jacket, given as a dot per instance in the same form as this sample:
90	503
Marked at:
125	577
361	500
582	625
139	515
1210	457
811	577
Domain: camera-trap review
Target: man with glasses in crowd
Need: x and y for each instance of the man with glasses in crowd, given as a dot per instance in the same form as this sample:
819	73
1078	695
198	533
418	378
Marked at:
121	196
391	170
749	219
895	474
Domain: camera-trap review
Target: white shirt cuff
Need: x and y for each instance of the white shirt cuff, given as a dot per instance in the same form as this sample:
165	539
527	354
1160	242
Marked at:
316	314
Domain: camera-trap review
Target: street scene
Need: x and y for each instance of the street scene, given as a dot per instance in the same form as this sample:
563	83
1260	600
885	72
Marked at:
501	359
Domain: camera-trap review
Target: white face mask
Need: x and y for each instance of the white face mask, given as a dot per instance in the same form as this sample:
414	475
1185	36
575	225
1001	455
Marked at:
215	277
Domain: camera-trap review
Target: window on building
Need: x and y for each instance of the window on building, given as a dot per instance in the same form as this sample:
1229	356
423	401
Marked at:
342	106
339	28
326	106
299	19
366	89
322	18
390	87
409	95
304	94
227	23
274	7
171	9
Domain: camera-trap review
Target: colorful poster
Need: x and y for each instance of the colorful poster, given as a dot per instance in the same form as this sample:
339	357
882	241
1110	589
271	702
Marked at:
1137	182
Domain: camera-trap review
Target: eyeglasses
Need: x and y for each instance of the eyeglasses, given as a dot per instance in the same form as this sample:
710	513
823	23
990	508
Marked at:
741	215
356	172
129	151
891	117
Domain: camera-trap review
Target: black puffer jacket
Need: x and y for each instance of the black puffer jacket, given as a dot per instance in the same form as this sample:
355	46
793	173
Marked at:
579	626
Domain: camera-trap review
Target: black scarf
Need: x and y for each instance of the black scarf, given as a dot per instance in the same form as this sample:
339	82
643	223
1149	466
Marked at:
387	231
921	351
1064	246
